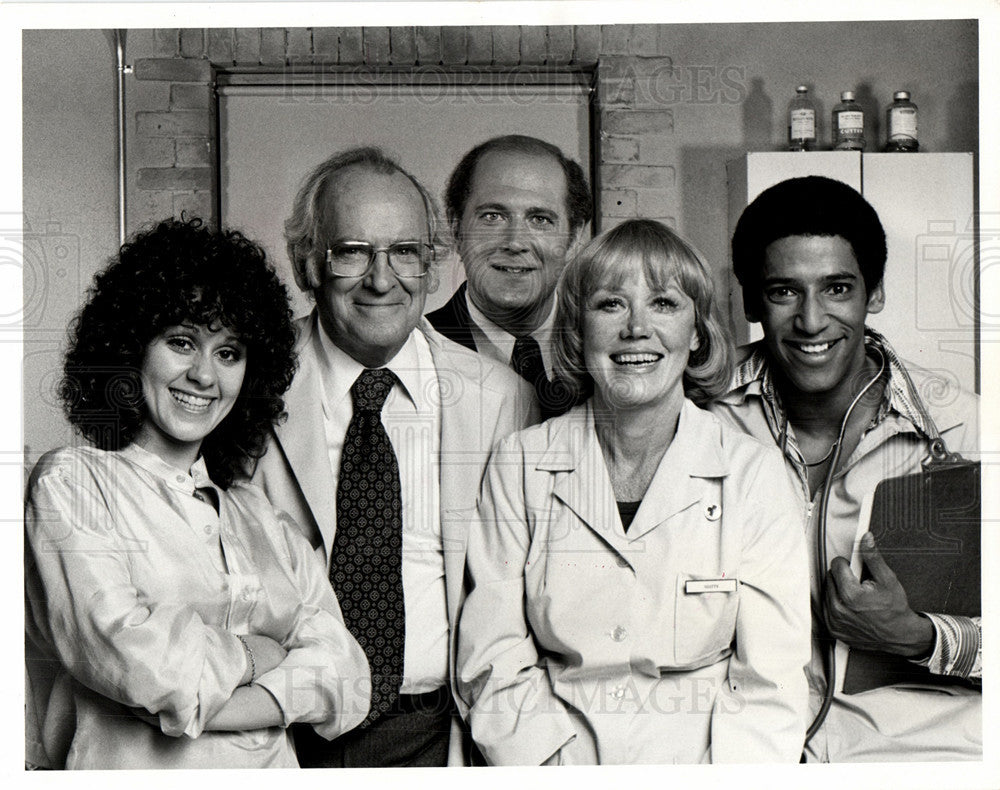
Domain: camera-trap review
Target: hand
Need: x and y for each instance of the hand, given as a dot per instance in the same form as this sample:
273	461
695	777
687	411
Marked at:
874	614
267	654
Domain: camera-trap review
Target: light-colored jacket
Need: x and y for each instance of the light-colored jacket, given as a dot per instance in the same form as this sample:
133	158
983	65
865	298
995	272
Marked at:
682	640
898	722
481	402
135	591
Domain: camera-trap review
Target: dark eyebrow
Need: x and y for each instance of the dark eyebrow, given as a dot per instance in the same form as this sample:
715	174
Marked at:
777	280
835	277
490	206
349	241
840	276
199	329
500	208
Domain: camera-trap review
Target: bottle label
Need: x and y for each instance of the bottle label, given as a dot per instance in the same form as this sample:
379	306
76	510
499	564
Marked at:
803	124
851	122
902	123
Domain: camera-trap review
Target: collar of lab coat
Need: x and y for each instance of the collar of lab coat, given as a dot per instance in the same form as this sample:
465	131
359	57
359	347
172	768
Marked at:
581	477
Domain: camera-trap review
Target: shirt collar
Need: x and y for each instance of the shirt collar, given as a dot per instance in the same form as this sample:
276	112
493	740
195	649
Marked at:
696	446
187	482
502	340
412	365
753	378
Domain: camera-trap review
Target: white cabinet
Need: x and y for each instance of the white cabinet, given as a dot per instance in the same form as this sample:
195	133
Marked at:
926	204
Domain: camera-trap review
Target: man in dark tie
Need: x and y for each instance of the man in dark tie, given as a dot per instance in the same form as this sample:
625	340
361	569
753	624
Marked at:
379	462
517	207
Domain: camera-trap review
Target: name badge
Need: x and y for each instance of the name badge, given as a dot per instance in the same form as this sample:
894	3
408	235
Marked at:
694	586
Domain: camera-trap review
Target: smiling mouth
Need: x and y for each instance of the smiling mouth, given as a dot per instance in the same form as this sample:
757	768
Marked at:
191	403
813	349
512	269
636	358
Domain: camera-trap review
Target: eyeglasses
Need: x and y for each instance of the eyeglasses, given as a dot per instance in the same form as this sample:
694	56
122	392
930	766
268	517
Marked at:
353	258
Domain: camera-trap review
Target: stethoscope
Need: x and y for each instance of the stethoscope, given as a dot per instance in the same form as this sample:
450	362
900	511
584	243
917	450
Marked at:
830	653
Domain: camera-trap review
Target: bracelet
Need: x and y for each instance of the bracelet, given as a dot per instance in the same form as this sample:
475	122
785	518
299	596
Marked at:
253	664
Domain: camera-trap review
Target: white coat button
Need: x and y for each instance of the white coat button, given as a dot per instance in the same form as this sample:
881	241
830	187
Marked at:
713	512
208	529
619	634
180	478
618	692
246	594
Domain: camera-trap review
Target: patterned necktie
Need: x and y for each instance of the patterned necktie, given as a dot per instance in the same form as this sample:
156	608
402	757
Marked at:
367	572
526	360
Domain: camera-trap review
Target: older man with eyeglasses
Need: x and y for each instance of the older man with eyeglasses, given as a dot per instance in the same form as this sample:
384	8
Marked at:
379	462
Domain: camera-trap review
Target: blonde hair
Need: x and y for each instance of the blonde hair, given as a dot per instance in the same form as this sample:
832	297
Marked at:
664	256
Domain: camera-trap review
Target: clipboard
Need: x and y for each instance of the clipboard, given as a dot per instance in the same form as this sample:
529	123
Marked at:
927	527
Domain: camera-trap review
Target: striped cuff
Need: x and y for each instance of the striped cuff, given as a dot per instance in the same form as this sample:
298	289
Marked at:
958	646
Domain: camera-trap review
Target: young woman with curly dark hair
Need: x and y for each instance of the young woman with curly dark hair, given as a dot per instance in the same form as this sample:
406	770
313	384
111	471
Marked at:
180	272
174	618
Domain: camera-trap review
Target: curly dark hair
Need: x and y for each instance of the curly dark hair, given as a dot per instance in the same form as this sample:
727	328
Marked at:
807	206
579	202
175	272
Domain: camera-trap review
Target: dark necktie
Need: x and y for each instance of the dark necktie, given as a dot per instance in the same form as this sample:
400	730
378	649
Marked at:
366	571
526	360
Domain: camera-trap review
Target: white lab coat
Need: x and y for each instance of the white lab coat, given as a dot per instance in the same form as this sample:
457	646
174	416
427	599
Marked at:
581	639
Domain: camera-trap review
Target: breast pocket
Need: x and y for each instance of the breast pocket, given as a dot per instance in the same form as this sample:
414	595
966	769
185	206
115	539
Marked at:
704	618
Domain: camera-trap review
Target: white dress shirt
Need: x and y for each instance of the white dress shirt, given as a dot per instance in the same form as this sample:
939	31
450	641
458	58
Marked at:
411	416
497	343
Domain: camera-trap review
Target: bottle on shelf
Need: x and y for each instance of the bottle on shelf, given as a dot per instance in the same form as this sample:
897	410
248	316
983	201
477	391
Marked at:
848	124
801	121
901	124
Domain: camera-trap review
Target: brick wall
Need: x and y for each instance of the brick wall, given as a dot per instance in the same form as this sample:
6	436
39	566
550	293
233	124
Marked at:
172	154
172	151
